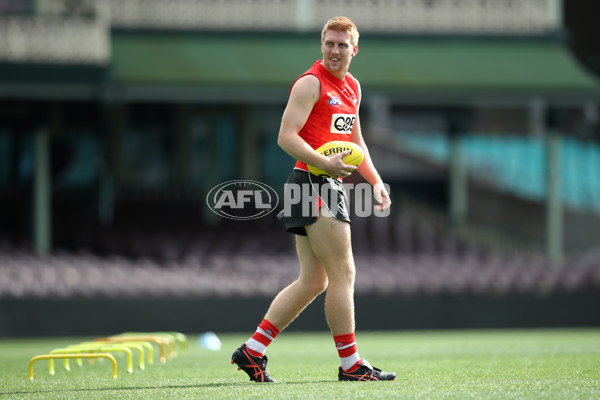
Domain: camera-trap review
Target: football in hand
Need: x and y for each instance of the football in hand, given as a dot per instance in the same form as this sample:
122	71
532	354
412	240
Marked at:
331	148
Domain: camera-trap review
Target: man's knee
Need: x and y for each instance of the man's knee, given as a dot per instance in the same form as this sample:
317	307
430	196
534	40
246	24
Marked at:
320	287
316	286
342	273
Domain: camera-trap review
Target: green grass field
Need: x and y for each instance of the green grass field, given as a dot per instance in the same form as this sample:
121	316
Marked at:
511	364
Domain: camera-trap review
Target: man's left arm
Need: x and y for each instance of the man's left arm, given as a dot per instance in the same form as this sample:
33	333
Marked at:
366	168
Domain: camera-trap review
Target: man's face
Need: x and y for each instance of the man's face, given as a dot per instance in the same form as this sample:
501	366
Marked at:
337	52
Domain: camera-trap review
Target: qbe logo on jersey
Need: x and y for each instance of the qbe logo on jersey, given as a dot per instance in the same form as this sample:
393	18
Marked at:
242	199
342	123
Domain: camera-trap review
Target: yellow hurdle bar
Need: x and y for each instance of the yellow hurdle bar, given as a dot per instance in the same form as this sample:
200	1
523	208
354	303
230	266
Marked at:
178	336
101	349
134	345
98	346
161	341
73	355
169	340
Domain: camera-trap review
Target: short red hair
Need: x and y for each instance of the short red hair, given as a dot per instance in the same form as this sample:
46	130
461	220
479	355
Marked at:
341	24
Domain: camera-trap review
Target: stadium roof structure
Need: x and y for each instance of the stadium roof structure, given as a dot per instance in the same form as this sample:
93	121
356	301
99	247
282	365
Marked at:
259	67
409	69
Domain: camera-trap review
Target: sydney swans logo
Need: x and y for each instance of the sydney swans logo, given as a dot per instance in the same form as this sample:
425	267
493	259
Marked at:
242	199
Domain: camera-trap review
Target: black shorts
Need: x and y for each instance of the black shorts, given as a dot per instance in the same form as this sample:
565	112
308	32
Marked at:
305	194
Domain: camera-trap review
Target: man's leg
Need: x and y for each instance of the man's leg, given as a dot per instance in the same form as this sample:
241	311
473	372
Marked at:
330	241
283	310
312	281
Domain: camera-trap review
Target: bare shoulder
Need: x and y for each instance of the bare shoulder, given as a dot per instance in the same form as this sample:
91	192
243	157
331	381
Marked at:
307	87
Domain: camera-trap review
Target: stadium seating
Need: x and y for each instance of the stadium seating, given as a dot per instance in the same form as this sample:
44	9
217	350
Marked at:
402	254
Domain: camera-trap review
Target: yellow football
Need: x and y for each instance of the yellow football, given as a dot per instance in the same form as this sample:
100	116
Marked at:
330	148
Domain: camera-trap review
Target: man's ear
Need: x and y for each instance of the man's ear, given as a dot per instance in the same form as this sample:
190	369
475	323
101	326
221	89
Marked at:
355	51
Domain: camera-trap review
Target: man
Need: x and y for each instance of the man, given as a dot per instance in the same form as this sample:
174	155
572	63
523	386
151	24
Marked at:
318	98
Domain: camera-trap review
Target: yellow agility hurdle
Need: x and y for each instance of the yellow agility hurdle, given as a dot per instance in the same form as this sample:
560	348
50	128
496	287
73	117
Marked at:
99	345
160	341
145	346
181	339
52	357
103	349
169	340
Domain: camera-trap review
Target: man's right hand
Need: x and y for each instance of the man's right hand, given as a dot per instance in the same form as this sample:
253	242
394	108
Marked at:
335	166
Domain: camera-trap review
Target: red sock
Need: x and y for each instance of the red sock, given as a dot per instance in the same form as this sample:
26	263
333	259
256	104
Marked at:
262	338
346	347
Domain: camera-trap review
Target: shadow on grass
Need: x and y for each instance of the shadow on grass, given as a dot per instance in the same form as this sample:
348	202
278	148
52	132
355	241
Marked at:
199	386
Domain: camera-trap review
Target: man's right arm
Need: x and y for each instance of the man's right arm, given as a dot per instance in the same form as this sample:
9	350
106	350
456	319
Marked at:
303	96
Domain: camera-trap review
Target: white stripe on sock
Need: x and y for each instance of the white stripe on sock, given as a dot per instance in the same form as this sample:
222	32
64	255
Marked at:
347	362
259	330
256	346
346	346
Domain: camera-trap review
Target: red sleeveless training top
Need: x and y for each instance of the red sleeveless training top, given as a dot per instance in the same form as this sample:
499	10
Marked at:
333	115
